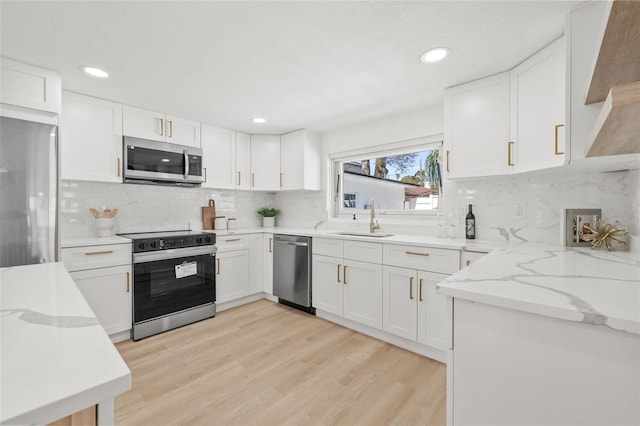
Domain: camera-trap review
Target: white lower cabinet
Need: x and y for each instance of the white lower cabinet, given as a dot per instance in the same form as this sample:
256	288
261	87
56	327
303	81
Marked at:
232	275
108	292
103	275
256	263
268	263
348	287
411	307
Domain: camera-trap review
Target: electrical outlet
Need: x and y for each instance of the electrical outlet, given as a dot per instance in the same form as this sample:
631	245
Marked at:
519	211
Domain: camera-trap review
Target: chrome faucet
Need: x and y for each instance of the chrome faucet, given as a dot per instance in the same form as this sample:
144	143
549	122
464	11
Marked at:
373	225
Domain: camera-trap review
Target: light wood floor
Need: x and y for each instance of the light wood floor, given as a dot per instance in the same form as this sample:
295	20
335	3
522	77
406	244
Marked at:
267	364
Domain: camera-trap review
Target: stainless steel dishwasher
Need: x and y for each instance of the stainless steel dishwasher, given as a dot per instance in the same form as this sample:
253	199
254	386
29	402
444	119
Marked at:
292	271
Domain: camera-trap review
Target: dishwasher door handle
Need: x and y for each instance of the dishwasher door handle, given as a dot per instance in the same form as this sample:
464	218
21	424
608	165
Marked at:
292	243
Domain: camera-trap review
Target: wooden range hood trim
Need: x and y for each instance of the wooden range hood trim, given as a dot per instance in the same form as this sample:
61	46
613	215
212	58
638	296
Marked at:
617	129
618	60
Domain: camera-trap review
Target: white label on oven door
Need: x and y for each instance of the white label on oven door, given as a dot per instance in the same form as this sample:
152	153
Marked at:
186	269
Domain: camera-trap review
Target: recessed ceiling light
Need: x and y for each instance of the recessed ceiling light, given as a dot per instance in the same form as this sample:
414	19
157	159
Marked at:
259	120
95	72
434	55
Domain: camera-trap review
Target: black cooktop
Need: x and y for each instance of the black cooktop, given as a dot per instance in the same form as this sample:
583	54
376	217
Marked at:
165	240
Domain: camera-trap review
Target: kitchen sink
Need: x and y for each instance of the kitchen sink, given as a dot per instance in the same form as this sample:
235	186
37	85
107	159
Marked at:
363	234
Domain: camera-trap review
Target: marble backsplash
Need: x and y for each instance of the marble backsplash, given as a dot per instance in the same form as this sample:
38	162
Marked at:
144	208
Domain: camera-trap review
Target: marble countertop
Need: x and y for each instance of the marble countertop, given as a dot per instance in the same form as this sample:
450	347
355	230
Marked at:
93	241
56	358
483	246
576	284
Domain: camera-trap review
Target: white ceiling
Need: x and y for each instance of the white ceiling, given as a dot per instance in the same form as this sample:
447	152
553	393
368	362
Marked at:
317	65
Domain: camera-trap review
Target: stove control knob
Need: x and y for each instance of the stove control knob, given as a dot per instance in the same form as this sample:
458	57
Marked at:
199	240
154	244
209	239
142	246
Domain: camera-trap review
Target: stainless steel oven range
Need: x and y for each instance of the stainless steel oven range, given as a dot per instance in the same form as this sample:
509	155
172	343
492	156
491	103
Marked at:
173	280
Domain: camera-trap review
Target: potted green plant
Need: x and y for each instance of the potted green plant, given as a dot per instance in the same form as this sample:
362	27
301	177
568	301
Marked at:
268	216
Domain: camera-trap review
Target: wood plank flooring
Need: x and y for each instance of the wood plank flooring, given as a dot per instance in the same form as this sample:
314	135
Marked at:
267	364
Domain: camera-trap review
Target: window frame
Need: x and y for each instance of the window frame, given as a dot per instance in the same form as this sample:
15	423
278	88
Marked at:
336	160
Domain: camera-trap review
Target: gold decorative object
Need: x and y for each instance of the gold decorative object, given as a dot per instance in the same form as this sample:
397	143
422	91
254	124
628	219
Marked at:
603	233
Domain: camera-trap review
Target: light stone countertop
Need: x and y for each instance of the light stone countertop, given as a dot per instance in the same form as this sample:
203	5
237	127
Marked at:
56	358
93	241
577	284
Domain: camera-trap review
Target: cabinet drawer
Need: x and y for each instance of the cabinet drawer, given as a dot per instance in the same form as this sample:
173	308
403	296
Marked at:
363	251
90	257
232	242
327	246
468	257
431	259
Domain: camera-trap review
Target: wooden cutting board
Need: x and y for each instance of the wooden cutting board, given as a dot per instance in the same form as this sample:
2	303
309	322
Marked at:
209	215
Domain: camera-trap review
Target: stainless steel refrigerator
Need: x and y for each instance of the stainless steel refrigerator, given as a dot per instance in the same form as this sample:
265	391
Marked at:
28	192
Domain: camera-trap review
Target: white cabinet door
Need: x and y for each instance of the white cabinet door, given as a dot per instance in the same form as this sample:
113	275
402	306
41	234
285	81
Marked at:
108	293
218	157
243	161
327	284
300	162
537	109
432	311
363	292
256	263
292	160
232	275
476	128
265	162
90	139
30	87
268	263
181	131
399	301
468	257
144	124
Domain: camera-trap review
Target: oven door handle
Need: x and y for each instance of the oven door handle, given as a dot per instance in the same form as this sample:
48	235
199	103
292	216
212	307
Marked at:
173	254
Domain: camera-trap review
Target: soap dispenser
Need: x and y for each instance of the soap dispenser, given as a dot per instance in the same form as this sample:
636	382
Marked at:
355	222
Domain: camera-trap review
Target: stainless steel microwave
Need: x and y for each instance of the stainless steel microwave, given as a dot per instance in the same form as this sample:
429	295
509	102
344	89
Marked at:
162	163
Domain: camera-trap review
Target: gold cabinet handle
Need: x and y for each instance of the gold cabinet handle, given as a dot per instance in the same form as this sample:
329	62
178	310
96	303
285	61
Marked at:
170	128
339	272
556	144
468	262
239	179
415	253
447	161
218	261
93	253
344	274
162	127
118	167
509	145
232	240
280	180
127	282
420	292
205	173
253	179
411	288
270	247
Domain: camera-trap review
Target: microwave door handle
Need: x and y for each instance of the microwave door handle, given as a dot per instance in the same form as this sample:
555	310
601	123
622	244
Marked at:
186	164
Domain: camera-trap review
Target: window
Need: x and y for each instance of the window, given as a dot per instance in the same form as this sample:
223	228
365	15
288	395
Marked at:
401	180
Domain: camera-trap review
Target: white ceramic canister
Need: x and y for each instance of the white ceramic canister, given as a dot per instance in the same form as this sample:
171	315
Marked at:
232	223
220	222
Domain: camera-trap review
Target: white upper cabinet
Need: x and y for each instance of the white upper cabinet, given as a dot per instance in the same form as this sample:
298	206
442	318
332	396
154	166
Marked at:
218	156
265	162
476	128
33	88
243	161
90	139
300	161
144	124
537	110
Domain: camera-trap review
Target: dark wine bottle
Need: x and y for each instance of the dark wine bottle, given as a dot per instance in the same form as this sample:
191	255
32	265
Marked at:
470	225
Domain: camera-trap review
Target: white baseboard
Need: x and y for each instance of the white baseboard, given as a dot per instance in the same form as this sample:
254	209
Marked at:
120	337
424	350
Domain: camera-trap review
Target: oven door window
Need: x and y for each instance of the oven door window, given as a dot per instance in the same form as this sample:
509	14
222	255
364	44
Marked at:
163	287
